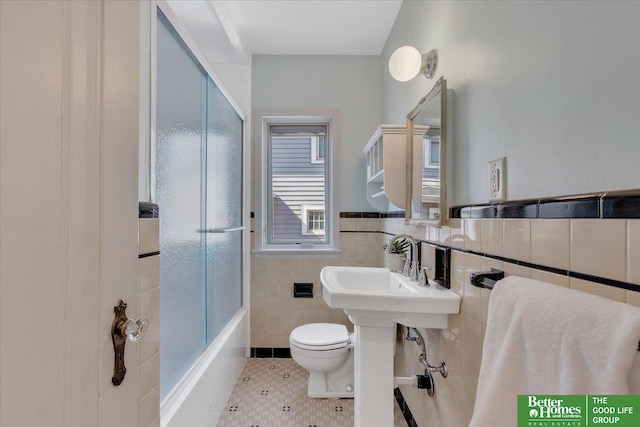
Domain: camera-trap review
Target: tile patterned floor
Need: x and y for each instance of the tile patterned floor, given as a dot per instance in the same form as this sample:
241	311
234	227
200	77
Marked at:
273	393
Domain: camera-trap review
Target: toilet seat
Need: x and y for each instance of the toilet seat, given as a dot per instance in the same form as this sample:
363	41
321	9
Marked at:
320	336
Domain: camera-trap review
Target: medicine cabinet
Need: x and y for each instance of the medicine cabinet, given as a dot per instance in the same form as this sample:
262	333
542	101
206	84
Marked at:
427	159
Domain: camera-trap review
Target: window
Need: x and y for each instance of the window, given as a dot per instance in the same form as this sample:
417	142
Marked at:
432	152
294	209
317	149
313	220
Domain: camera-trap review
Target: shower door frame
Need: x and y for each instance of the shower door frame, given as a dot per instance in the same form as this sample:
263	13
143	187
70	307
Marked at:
172	401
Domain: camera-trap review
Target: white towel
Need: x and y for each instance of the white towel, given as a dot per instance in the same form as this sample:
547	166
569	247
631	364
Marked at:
546	339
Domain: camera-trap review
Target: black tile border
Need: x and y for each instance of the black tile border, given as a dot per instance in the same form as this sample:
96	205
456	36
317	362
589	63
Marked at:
282	353
404	408
559	271
524	209
359	215
148	254
485	212
148	210
609	205
455	212
397	214
365	215
270	353
372	215
621	206
580	207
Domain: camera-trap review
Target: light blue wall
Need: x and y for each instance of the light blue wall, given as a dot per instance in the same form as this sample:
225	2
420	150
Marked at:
553	86
349	84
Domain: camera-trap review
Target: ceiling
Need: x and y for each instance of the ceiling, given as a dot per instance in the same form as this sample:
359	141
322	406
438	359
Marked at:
230	31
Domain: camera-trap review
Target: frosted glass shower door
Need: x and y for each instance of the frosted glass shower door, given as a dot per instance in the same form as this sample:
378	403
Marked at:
224	211
199	158
180	124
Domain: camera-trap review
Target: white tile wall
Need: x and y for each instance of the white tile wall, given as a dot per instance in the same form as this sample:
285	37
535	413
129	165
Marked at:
544	242
148	235
599	247
492	236
149	271
274	311
517	239
149	306
472	234
556	279
550	243
633	252
578	245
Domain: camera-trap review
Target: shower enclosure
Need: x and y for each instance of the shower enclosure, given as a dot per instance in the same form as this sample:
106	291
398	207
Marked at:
198	175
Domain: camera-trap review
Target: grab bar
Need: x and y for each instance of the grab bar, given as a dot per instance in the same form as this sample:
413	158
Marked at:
222	230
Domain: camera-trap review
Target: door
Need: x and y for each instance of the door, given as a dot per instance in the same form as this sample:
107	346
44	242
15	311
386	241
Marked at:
198	183
68	209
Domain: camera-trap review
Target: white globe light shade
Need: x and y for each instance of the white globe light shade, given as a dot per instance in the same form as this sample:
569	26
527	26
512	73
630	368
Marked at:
405	63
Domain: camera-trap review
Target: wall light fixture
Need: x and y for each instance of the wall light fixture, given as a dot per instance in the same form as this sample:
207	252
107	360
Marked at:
407	62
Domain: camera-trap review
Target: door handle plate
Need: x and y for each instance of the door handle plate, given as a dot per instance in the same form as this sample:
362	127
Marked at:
119	340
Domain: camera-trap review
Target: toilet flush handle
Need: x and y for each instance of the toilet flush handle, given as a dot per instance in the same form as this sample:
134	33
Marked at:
122	329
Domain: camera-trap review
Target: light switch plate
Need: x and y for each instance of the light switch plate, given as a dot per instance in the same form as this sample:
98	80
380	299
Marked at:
497	180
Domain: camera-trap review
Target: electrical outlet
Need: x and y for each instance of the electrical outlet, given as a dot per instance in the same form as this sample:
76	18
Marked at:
497	180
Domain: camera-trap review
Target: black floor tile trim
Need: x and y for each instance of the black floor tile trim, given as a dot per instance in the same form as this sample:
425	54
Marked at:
270	352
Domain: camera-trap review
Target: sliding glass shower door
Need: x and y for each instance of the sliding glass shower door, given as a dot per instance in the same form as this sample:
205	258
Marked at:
223	211
199	191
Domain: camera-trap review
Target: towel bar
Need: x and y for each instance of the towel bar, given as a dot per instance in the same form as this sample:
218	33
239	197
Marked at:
488	279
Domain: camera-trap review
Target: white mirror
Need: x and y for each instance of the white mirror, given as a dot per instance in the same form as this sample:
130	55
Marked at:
427	158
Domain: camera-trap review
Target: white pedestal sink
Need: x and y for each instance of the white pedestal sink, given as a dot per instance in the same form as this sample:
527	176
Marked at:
375	299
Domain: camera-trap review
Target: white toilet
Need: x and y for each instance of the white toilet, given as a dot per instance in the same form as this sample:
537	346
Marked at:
326	351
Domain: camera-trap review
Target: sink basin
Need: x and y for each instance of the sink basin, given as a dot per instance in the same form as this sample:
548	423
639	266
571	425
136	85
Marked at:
379	296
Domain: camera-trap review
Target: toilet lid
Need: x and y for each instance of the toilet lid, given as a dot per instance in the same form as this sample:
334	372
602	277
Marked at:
321	336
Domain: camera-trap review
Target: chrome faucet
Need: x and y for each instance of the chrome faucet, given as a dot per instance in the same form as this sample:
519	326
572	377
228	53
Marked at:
412	265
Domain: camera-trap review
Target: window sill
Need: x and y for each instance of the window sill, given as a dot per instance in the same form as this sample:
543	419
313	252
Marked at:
296	253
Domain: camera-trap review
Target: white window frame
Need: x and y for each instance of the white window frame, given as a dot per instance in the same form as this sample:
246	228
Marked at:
262	121
306	209
428	152
315	151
